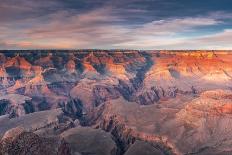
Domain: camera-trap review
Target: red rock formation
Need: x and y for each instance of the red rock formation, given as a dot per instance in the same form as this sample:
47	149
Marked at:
177	100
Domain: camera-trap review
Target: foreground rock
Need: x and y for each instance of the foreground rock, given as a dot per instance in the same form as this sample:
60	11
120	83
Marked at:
90	141
49	122
17	141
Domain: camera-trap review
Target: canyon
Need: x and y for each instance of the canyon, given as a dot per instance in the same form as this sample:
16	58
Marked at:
115	102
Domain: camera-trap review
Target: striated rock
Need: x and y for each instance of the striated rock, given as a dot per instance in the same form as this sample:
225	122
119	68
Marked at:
178	102
144	77
207	122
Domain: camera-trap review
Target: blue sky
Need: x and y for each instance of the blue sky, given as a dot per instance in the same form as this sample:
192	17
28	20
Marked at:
115	24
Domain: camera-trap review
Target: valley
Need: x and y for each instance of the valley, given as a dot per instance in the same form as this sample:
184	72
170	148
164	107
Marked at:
116	102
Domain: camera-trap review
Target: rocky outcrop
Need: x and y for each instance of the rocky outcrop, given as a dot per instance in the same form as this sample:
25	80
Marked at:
17	141
73	108
181	125
15	105
125	137
102	94
143	148
90	141
51	122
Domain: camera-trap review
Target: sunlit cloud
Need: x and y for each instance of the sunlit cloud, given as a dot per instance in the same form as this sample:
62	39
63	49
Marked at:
55	24
173	26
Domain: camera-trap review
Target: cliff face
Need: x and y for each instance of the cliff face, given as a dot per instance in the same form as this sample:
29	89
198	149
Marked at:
166	98
98	76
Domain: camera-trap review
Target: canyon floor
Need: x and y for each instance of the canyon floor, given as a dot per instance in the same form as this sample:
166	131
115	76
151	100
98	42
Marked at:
118	102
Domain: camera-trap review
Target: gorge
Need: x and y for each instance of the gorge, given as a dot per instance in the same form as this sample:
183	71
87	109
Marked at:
116	102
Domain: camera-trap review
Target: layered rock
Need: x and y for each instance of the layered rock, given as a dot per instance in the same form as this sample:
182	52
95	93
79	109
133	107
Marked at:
175	102
184	125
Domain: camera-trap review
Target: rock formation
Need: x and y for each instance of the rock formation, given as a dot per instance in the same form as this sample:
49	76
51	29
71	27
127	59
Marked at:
147	102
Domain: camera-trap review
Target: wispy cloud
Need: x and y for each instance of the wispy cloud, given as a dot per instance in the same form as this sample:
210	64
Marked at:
168	34
220	40
173	26
54	24
216	41
65	23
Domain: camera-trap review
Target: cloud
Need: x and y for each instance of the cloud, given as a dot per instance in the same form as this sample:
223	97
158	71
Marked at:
220	40
173	26
217	41
167	34
65	23
12	11
66	29
223	37
58	24
100	29
12	44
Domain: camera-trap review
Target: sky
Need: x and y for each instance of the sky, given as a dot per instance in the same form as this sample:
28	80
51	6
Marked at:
116	24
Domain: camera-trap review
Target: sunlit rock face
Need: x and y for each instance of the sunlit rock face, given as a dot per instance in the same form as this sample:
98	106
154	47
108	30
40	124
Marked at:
166	102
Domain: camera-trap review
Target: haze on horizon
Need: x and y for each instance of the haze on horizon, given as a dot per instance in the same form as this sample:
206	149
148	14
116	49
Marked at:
115	24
